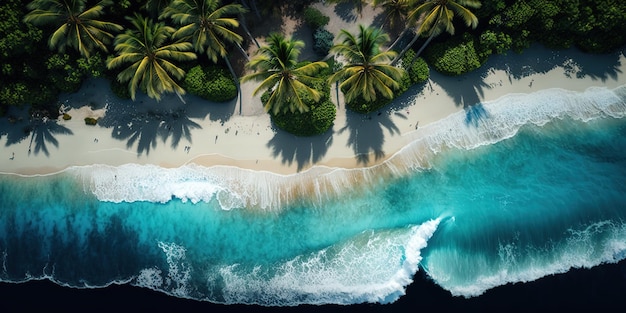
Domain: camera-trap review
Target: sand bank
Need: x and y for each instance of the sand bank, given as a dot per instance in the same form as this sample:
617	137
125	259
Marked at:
171	133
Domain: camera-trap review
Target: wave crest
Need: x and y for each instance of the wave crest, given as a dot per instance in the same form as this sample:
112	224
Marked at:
373	267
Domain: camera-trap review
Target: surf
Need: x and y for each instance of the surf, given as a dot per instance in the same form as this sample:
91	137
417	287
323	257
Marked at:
482	124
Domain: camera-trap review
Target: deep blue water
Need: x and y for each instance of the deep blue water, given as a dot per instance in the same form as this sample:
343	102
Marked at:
514	190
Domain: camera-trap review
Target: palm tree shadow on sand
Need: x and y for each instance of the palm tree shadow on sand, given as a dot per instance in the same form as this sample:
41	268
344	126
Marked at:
304	151
366	137
347	10
467	91
575	63
145	122
43	133
40	131
144	129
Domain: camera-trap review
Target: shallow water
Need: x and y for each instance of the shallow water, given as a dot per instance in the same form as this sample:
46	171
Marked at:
508	191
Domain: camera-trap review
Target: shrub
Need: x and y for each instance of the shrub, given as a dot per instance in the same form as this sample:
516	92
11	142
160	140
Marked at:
315	18
359	104
67	74
213	83
491	42
453	57
317	120
417	69
43	95
90	121
14	94
322	41
418	72
66	117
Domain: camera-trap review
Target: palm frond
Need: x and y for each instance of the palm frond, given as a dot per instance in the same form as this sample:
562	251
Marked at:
367	72
77	27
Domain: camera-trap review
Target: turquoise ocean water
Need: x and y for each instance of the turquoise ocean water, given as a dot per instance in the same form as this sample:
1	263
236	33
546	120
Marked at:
507	191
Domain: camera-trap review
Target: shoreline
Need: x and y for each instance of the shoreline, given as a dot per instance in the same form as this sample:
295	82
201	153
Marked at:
165	129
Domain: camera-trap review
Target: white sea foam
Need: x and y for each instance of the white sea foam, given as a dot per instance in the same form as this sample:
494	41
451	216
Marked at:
599	243
150	278
375	266
176	282
233	187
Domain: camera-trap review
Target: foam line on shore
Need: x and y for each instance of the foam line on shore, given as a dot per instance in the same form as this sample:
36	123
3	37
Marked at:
234	187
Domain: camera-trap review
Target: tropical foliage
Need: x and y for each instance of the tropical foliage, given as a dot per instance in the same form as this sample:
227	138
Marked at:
322	41
437	16
317	120
150	58
277	67
34	75
592	25
211	83
367	73
76	25
416	68
209	26
395	11
454	57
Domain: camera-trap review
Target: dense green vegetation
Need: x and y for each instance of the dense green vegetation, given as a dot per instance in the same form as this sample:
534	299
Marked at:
415	67
415	71
288	81
436	17
595	26
367	77
317	120
211	83
149	58
591	25
294	93
188	41
453	57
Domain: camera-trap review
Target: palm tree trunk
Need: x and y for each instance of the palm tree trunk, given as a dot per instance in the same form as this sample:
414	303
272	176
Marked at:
236	80
337	90
432	34
243	24
424	45
245	54
395	42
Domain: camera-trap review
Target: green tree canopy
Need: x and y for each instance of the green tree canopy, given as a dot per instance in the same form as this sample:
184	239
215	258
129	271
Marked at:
151	58
277	68
368	72
77	27
437	16
208	25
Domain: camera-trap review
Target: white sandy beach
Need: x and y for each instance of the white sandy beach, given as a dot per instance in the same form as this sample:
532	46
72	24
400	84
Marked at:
150	132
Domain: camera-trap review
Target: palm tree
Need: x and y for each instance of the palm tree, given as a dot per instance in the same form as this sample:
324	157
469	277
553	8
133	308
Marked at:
437	17
151	58
155	7
368	72
395	11
206	24
277	67
77	27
